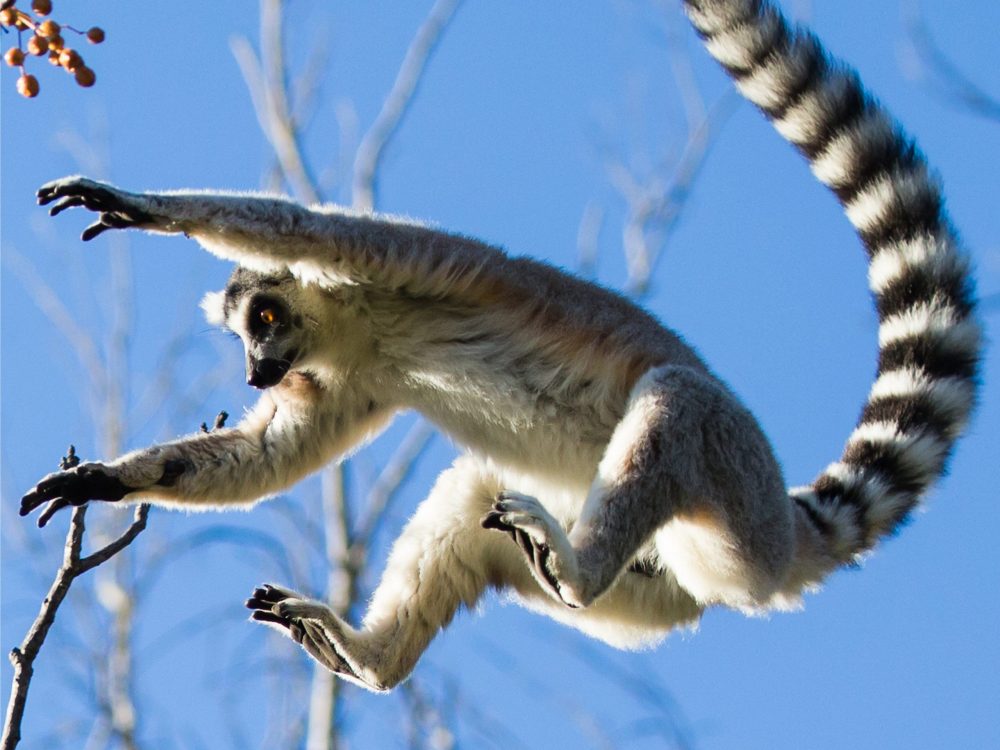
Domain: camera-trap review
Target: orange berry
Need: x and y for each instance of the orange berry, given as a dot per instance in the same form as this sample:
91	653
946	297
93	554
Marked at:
56	43
41	7
38	45
27	86
14	57
49	29
85	76
8	16
70	59
54	57
95	35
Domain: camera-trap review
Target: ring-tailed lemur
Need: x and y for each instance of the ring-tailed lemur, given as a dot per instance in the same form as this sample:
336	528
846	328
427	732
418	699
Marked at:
658	494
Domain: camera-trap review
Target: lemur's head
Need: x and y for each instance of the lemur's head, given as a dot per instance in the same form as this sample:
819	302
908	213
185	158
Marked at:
270	314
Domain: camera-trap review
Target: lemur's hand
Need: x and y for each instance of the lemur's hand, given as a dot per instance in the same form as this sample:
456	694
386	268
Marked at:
117	208
76	486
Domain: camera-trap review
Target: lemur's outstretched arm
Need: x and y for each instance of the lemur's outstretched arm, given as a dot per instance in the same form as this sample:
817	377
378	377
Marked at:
280	441
329	245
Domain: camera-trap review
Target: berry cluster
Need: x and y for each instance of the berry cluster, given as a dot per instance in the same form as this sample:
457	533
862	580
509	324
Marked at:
46	39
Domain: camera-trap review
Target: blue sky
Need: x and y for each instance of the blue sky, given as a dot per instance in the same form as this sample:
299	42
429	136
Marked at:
506	142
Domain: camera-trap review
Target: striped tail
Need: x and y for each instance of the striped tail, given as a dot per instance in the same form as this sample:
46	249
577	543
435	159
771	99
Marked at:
929	339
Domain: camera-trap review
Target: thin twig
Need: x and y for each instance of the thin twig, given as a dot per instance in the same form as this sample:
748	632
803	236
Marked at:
387	485
266	79
951	83
45	298
654	205
397	103
284	134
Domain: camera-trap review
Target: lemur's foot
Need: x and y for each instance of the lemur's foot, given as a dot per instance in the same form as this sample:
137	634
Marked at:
117	209
543	541
299	618
76	486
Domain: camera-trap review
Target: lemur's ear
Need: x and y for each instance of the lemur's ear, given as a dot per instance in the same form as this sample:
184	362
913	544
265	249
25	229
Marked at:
213	305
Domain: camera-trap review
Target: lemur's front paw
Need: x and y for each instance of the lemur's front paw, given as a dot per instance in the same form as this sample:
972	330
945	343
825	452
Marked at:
117	209
90	481
542	540
297	617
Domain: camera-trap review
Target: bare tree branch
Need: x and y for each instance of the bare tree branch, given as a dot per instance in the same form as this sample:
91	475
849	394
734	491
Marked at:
397	103
587	238
284	130
52	307
945	78
656	196
427	725
341	590
73	565
387	485
654	203
266	79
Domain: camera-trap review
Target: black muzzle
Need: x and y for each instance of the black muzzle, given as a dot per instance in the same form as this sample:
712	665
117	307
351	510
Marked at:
265	373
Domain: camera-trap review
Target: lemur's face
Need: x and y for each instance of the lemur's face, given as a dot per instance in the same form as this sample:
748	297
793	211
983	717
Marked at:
259	309
270	339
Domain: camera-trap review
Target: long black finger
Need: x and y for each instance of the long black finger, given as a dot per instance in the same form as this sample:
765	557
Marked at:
255	603
258	602
264	598
36	497
29	502
262	615
68	202
57	189
46	194
51	509
272	594
98	227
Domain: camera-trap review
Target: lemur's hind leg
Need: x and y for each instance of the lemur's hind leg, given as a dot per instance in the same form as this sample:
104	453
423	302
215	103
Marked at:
442	560
687	468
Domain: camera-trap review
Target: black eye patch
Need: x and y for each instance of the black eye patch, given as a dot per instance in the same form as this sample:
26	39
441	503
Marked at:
266	314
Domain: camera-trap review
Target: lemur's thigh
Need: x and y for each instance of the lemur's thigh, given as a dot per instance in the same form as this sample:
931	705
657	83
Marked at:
689	468
687	482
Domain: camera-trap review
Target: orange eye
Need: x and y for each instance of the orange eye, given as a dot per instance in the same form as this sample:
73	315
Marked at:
267	316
